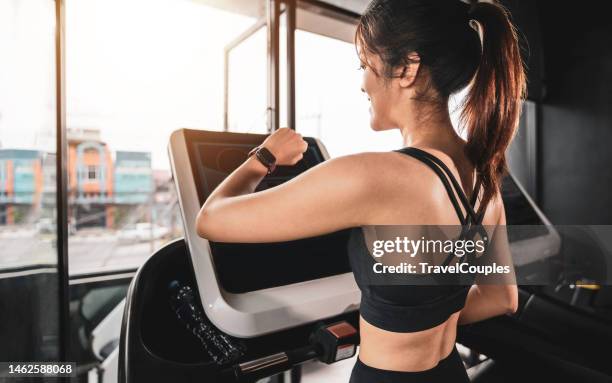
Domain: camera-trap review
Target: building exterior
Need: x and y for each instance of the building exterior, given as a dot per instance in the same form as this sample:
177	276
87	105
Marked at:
21	185
101	188
90	180
134	188
133	177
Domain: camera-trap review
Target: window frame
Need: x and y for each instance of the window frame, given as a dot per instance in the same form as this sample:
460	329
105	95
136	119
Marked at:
313	14
61	146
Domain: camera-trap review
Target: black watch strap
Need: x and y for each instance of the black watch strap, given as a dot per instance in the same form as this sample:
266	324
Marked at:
265	157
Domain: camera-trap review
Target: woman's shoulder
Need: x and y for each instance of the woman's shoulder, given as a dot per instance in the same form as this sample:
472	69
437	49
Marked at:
384	171
382	163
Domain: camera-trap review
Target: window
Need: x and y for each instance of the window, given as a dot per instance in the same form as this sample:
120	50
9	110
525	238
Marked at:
27	106
247	85
136	70
329	101
127	89
92	172
28	229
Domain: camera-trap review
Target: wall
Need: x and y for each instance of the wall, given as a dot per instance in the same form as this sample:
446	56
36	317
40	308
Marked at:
575	117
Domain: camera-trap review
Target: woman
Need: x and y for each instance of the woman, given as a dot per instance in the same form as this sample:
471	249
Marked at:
414	55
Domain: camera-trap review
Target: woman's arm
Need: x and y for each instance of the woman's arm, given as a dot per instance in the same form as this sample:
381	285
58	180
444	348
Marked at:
487	301
326	198
500	297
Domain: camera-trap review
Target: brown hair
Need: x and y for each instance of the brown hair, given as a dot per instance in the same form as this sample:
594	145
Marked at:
439	31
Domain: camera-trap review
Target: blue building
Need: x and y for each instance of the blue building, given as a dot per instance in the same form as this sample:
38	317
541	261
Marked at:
21	184
133	178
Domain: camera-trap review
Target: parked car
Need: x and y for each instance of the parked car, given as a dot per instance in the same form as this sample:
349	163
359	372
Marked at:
46	226
142	231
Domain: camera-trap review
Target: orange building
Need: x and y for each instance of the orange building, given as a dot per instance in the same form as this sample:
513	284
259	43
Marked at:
90	179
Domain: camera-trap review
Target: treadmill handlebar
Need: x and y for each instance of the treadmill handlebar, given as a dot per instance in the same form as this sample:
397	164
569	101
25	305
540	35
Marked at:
329	343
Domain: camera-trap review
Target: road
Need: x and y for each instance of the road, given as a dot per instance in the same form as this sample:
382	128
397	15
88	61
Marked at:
87	251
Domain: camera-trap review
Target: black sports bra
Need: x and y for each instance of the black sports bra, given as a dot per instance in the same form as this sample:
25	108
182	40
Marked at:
410	308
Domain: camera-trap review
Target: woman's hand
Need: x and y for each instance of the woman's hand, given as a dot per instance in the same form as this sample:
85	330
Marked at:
286	145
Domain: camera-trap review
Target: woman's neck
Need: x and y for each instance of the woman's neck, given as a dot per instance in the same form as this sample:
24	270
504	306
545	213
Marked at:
434	131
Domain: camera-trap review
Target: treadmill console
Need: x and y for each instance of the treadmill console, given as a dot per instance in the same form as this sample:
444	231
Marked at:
251	289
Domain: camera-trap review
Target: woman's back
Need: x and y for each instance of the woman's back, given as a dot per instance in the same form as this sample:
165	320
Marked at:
410	193
414	326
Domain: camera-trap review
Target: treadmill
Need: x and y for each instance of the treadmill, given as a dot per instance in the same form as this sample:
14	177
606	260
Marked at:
249	290
276	301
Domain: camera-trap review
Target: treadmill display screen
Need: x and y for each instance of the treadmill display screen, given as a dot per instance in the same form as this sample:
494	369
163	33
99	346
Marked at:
244	267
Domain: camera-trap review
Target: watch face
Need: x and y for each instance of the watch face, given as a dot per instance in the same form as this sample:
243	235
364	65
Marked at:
267	155
267	158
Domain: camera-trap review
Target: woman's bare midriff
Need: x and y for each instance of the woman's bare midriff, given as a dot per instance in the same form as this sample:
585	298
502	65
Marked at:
414	351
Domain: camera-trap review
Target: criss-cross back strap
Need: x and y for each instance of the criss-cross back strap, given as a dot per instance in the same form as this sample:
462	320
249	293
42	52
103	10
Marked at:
472	221
445	174
440	173
468	205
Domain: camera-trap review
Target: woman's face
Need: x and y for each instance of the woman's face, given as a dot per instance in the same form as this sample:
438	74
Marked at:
387	97
379	94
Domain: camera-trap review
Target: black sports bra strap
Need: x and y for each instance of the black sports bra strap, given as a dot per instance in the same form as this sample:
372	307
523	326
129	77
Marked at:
480	214
466	204
476	192
442	177
468	228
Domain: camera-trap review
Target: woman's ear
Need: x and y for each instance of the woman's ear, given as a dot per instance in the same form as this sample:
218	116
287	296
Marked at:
410	71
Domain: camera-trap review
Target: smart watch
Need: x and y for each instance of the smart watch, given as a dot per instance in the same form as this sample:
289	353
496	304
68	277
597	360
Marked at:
265	157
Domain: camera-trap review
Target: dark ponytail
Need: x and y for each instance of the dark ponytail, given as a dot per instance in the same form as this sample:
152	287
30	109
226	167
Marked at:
440	32
493	105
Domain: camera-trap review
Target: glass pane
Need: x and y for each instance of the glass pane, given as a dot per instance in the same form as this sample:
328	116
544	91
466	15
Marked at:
282	71
128	88
28	229
329	102
247	88
136	71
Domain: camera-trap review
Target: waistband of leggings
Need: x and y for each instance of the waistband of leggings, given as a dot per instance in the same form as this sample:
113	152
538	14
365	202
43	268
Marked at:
441	365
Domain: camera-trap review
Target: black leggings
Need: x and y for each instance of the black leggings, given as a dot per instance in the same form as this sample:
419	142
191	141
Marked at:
448	370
